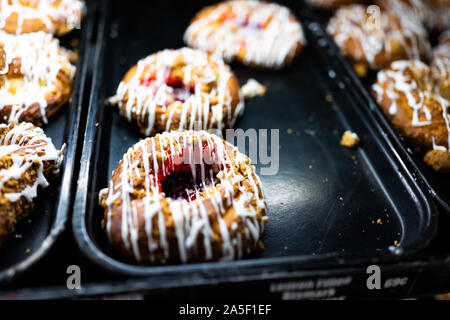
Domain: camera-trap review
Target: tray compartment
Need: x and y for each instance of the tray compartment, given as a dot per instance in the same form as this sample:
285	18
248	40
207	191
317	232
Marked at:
438	184
42	228
309	224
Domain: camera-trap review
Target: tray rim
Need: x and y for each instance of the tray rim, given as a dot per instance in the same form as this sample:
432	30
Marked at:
101	259
66	178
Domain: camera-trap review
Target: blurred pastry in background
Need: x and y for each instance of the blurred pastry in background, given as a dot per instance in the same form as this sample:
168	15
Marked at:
331	4
434	14
374	42
255	33
410	93
51	16
38	77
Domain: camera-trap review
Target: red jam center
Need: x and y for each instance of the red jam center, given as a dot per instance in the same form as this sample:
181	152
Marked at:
241	22
180	92
182	183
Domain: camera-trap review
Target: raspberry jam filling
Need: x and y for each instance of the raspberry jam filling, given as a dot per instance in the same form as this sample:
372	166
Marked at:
242	22
184	183
179	91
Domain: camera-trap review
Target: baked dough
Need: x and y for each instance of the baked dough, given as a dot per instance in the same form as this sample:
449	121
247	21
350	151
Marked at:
256	33
183	197
372	46
180	89
410	93
38	79
51	16
27	159
434	14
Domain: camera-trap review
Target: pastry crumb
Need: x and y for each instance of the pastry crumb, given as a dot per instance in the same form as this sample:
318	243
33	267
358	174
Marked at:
438	159
349	139
361	69
27	251
252	89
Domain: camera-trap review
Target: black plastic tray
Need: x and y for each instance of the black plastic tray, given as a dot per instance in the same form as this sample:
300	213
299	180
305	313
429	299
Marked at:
48	220
309	225
438	183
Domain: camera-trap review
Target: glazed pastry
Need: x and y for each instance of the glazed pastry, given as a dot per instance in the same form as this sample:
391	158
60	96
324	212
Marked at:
255	33
441	61
410	93
27	159
369	46
3	66
51	16
180	89
330	4
39	78
183	197
434	14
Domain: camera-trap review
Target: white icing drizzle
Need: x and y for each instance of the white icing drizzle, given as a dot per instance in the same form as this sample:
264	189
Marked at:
48	11
191	219
350	23
272	46
142	100
395	82
41	59
433	14
441	56
26	145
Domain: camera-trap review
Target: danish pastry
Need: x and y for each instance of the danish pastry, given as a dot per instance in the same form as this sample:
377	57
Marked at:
441	61
51	16
255	33
27	159
373	45
410	93
183	197
39	78
180	89
330	4
3	66
434	14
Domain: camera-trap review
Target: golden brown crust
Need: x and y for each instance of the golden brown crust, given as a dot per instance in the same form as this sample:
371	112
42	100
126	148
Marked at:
51	16
438	159
409	94
331	4
16	194
228	29
2	65
372	46
434	14
190	70
173	238
37	87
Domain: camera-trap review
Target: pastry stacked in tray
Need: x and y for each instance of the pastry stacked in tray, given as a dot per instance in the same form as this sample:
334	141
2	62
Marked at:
184	194
392	38
36	77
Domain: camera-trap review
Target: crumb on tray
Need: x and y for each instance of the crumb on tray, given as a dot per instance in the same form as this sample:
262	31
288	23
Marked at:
349	139
438	159
252	89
